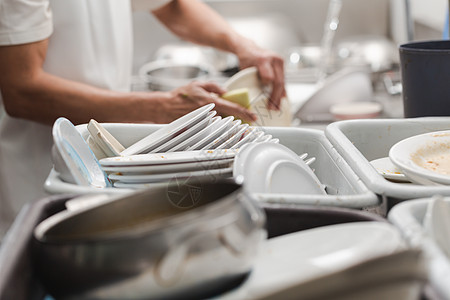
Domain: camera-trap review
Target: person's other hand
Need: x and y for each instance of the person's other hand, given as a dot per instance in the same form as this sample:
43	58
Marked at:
187	98
271	70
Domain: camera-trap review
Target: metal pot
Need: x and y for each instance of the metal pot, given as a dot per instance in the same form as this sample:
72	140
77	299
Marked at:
166	75
197	239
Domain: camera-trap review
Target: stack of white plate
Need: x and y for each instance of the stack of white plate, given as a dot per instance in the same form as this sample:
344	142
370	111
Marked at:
424	158
200	129
199	144
145	170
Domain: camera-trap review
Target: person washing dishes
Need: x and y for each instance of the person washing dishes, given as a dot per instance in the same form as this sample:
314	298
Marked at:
73	58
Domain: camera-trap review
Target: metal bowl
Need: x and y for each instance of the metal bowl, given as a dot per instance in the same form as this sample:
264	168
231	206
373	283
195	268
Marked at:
166	75
197	239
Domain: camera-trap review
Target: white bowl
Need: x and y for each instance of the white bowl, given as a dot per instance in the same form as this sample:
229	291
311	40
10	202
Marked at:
344	86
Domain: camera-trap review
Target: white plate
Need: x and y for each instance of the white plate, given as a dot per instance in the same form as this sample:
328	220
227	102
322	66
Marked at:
149	178
135	186
388	170
436	222
108	143
185	135
168	132
170	168
259	95
214	132
231	130
264	138
292	177
249	137
235	138
214	123
167	158
417	154
292	259
76	154
264	166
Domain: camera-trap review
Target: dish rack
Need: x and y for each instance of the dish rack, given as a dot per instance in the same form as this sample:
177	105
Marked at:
344	188
360	141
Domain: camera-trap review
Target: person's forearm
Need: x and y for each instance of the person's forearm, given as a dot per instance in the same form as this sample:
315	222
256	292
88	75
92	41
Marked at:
46	97
194	21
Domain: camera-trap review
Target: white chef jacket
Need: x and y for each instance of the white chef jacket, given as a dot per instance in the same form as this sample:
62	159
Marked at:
91	42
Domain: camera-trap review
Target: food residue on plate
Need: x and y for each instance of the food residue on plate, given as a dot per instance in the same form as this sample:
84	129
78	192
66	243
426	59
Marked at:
435	157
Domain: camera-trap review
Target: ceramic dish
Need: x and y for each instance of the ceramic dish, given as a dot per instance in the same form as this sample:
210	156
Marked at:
279	169
168	132
185	135
264	138
259	95
424	158
249	137
311	254
352	85
170	168
77	156
213	125
436	222
388	170
235	138
167	158
213	133
150	178
291	177
231	130
356	110
137	186
108	143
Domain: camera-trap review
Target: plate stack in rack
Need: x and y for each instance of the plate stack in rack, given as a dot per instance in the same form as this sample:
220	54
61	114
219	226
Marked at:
199	144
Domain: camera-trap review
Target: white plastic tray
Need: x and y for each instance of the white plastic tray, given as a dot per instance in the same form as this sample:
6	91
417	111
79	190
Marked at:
344	188
408	217
360	141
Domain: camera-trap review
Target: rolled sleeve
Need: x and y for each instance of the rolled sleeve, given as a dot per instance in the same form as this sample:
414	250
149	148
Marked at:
24	21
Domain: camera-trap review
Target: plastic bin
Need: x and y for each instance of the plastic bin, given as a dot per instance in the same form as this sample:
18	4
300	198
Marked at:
360	141
18	281
408	217
344	188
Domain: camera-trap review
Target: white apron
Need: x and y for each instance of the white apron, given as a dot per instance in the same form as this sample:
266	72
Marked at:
91	43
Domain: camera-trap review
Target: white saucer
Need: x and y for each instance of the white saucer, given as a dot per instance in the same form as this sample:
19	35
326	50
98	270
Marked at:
388	170
76	154
273	168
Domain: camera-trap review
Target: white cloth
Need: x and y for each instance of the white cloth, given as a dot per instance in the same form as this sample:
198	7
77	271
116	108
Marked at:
91	43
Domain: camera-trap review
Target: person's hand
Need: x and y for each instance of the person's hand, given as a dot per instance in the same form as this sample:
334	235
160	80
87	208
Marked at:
187	98
270	68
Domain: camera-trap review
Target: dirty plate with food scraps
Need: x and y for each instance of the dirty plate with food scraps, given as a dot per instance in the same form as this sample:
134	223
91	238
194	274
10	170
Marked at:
424	158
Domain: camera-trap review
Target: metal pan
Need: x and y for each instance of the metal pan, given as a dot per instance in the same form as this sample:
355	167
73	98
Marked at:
195	238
